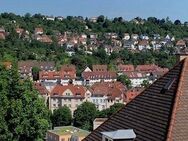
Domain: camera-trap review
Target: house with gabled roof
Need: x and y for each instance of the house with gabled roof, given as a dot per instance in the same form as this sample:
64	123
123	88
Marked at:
126	36
44	93
105	94
99	73
25	67
44	39
67	95
134	36
181	43
132	93
125	68
38	31
159	113
136	78
66	75
143	44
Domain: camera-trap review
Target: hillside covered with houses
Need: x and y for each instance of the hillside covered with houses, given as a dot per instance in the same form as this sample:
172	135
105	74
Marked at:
87	41
70	61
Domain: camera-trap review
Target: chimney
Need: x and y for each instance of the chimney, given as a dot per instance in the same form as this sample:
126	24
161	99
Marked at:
180	55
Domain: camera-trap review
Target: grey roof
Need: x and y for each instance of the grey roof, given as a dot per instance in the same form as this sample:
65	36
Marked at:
120	134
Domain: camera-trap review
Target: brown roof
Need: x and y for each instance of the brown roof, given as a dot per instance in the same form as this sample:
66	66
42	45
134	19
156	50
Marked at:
99	75
66	72
77	91
41	89
181	43
39	30
133	75
99	67
7	65
19	30
158	113
110	89
45	39
143	43
49	75
147	68
26	66
132	93
125	67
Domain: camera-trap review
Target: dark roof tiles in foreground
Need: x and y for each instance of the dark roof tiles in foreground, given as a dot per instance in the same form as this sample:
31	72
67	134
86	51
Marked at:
158	113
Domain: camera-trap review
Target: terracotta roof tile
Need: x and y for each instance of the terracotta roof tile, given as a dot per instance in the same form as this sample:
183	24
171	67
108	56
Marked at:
77	91
150	113
147	68
99	75
42	89
181	43
125	67
99	68
110	89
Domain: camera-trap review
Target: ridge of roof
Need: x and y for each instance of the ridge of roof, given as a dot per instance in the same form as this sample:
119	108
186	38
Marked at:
177	100
149	113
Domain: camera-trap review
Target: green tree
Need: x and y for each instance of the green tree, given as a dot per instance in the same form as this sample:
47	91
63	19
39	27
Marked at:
23	115
110	111
35	73
125	80
84	115
62	117
100	18
145	83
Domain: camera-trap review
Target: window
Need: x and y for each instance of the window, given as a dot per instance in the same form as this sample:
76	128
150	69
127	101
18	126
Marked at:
68	94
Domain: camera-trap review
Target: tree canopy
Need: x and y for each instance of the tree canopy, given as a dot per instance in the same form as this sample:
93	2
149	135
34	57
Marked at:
84	115
23	114
125	80
62	117
110	111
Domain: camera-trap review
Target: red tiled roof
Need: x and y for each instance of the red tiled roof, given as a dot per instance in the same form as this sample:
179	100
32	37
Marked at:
49	75
99	75
125	67
132	93
132	75
45	39
7	64
26	66
181	43
99	68
77	91
110	89
68	68
42	89
38	30
159	113
147	68
178	129
143	43
66	72
19	30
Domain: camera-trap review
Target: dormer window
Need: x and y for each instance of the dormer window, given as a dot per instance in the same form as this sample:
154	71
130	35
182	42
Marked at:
119	135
